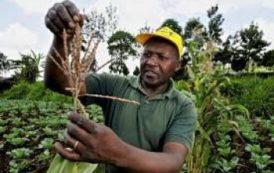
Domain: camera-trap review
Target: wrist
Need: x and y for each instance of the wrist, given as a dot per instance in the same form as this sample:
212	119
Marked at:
121	160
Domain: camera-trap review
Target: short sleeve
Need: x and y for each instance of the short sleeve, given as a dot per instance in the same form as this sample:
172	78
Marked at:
183	126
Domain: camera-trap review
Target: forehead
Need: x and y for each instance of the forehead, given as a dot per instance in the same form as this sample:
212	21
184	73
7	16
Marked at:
160	47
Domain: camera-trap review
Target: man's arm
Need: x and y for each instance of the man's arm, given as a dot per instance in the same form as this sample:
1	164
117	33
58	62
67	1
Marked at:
64	15
98	143
170	160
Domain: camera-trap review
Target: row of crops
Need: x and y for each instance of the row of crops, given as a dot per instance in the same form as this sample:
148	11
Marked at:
27	133
29	127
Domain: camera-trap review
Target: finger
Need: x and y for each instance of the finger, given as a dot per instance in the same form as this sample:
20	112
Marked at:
51	26
79	134
83	122
85	153
70	141
73	10
55	19
81	19
67	154
64	15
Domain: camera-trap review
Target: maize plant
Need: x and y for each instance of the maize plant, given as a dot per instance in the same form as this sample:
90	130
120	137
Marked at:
212	108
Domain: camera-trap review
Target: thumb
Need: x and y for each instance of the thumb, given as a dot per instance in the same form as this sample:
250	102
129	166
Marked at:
82	18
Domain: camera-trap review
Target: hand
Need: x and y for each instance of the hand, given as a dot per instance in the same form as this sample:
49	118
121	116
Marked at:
64	15
96	142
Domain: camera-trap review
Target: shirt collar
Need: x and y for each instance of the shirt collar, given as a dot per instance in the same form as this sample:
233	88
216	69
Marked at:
135	83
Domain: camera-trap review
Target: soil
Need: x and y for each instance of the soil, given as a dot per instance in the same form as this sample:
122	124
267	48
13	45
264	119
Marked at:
4	162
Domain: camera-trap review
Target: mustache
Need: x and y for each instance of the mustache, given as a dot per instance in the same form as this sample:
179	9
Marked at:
149	70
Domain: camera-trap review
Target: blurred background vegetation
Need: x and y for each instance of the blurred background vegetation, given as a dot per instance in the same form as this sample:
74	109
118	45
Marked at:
230	80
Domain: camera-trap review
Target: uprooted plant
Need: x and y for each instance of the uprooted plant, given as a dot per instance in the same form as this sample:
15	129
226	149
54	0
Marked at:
74	66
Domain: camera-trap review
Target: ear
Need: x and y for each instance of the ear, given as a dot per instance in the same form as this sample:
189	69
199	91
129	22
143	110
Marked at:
178	66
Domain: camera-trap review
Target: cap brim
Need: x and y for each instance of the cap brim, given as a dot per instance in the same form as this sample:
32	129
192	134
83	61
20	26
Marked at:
143	38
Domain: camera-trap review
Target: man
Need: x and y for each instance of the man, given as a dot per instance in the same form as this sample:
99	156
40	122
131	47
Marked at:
154	136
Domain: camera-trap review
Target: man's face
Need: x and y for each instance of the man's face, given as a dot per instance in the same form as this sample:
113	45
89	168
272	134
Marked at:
158	63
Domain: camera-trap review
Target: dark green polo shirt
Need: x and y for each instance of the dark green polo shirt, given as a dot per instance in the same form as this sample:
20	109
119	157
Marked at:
167	117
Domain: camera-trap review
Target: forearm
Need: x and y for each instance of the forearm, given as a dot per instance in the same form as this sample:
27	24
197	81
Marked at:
136	160
54	77
62	16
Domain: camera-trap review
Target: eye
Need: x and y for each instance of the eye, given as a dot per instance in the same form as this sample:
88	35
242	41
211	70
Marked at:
162	57
147	54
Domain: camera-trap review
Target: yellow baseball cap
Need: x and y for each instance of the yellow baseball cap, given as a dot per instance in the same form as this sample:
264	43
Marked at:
166	33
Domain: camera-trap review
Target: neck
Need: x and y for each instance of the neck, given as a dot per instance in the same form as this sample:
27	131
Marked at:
153	90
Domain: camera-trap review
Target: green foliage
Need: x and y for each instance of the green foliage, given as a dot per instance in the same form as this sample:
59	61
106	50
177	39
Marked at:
20	153
60	165
259	156
255	93
28	66
241	146
249	47
268	59
226	160
228	165
17	141
214	25
4	63
225	53
47	143
268	124
245	49
247	129
194	30
252	43
29	131
212	108
191	26
35	91
224	147
121	46
136	71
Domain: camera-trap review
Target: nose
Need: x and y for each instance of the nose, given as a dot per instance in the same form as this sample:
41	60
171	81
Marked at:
152	60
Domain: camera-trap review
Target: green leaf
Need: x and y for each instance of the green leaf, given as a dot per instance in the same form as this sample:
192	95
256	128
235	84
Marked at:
61	165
